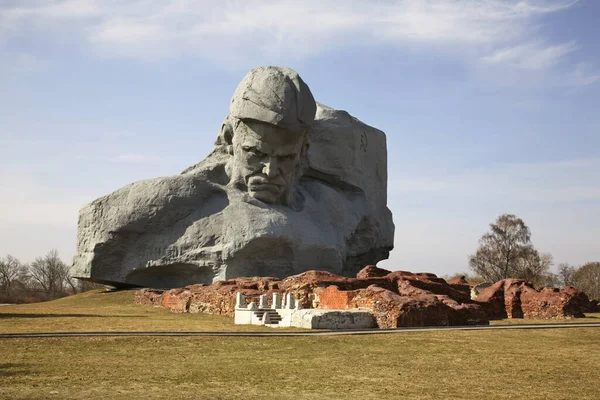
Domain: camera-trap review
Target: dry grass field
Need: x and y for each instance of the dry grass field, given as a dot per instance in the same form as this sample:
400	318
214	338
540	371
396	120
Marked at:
531	364
100	310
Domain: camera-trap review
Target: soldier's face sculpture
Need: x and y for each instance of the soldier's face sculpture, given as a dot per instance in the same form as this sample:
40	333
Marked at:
266	159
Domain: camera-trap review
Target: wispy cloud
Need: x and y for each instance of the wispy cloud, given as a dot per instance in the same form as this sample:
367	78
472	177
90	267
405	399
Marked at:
531	56
582	76
499	31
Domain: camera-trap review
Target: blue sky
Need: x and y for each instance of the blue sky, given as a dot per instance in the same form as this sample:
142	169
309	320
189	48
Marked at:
489	107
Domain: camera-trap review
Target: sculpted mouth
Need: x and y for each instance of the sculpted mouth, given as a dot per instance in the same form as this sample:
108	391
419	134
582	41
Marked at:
264	186
261	183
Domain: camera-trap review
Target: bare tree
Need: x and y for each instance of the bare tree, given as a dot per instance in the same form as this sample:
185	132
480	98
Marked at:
506	252
11	270
535	268
501	249
50	273
549	279
587	279
565	274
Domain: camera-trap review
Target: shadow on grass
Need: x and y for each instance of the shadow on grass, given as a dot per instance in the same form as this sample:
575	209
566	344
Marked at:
12	369
6	316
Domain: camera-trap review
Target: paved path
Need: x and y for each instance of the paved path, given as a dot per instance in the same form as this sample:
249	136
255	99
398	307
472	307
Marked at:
307	333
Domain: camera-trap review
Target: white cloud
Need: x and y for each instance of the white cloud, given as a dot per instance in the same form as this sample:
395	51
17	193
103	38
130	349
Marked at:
222	30
62	9
501	36
122	31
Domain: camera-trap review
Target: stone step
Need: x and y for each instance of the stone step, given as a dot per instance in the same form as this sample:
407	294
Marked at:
271	317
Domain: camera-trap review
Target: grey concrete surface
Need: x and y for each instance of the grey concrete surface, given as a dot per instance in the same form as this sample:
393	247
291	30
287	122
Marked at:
290	186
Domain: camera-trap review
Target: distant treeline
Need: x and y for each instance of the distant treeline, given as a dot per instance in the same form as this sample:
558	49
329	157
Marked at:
46	278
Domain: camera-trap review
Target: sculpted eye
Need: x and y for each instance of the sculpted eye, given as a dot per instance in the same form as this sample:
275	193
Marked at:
253	151
288	157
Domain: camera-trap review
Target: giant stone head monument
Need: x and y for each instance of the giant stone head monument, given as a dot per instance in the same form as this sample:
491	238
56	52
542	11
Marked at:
291	185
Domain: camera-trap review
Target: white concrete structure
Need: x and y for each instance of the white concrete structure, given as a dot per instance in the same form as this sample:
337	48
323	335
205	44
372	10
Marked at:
240	300
276	300
292	315
290	301
262	302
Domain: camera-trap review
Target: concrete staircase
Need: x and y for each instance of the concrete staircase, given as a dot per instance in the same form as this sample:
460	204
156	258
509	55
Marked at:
269	317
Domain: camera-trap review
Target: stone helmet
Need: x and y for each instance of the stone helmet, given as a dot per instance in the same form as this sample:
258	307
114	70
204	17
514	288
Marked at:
274	95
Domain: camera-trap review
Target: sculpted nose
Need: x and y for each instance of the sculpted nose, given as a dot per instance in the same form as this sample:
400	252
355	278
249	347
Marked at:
270	167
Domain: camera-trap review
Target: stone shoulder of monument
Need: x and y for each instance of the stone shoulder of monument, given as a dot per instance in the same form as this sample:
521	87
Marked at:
396	299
